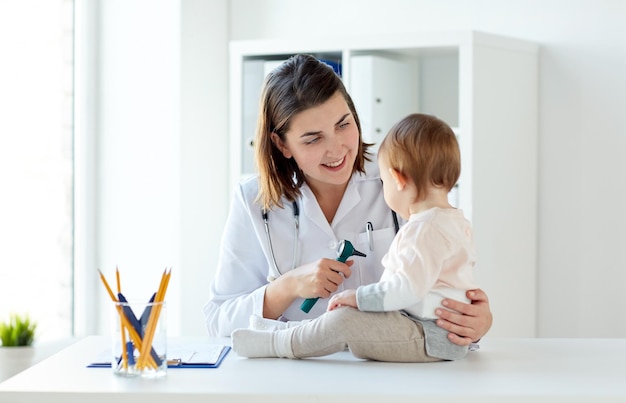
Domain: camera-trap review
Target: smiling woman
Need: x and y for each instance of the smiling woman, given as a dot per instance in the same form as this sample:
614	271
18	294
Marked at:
324	149
36	163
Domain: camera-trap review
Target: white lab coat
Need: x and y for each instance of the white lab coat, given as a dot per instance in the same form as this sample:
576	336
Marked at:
245	261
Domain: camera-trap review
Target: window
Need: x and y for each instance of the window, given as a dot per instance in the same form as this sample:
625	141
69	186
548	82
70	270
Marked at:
36	163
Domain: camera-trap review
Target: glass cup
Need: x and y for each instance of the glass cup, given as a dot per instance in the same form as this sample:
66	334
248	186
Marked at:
139	339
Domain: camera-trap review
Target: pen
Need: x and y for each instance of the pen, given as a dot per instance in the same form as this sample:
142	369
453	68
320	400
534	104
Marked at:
130	315
369	228
143	320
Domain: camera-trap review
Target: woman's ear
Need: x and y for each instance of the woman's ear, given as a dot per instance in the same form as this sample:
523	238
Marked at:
399	178
278	142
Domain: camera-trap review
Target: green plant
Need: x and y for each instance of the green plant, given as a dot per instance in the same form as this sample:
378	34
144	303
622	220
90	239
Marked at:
19	330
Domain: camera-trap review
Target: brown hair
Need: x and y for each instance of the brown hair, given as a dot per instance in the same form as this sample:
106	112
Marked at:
300	83
425	150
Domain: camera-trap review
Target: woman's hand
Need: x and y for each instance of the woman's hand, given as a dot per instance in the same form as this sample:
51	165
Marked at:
320	279
344	298
313	280
466	323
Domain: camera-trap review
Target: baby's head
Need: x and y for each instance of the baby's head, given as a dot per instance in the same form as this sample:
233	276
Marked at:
424	149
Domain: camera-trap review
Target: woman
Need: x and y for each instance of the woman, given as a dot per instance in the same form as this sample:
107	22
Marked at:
317	185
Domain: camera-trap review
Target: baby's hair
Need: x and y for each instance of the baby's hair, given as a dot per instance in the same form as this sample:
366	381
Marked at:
425	150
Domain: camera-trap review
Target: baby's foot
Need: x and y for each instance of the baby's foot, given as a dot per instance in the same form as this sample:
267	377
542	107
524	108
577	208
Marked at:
253	343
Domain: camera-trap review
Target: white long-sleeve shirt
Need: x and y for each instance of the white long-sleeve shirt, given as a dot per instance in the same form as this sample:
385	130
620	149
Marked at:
432	257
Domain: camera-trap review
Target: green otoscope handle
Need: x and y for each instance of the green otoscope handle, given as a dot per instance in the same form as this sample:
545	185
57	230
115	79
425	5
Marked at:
344	251
308	304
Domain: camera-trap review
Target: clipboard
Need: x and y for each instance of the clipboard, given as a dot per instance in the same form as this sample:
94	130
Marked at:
180	356
199	361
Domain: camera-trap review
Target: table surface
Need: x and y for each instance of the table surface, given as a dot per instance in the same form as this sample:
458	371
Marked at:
14	360
502	370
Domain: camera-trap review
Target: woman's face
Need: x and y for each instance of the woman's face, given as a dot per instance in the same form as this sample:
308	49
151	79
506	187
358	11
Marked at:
324	142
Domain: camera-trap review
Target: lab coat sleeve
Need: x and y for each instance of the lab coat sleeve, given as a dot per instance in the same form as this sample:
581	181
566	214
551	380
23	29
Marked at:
238	289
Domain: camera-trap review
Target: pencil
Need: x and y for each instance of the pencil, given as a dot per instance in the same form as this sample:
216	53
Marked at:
122	330
153	319
106	285
131	331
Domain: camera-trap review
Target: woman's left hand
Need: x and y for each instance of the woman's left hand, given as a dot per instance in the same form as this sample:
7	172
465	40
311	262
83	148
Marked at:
466	323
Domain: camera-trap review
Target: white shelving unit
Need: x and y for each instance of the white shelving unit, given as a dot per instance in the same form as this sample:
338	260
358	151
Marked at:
484	86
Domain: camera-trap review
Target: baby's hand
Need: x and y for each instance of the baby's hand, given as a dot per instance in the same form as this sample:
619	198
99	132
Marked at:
344	298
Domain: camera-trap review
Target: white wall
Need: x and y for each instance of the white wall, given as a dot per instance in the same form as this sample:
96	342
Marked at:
36	164
204	144
161	139
138	148
581	268
164	100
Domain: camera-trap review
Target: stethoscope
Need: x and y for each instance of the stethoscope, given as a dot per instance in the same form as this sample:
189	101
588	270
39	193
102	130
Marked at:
296	233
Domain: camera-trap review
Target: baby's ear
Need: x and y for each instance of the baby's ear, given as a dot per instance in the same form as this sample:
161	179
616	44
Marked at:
399	178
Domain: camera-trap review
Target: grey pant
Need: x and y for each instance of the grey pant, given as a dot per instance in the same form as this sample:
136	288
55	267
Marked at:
380	336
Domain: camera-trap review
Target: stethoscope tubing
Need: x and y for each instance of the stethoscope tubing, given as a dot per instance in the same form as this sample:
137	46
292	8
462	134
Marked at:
296	234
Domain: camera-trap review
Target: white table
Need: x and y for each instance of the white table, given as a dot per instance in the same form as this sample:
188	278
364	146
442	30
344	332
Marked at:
504	370
16	359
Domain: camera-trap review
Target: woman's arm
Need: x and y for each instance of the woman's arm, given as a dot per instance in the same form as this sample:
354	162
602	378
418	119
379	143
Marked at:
238	287
467	323
318	279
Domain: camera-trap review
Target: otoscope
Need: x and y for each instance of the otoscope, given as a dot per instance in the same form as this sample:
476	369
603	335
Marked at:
344	251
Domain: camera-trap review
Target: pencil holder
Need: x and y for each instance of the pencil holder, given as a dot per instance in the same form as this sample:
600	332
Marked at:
139	338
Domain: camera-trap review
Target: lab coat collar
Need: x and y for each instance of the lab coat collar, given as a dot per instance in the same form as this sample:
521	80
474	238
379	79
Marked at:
350	199
313	212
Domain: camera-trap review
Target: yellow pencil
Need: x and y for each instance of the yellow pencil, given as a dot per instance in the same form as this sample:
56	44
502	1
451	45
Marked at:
134	336
153	319
122	329
106	285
